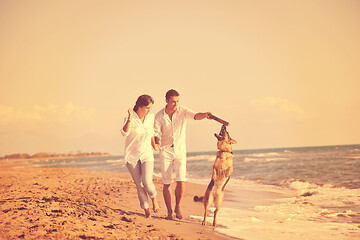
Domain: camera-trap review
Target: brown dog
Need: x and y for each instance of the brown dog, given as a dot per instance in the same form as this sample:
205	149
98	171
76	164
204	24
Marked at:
222	169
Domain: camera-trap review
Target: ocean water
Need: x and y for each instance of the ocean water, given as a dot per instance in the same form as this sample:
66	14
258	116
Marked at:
286	193
336	165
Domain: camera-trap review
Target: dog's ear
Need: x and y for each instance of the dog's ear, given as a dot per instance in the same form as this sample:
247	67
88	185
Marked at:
217	136
233	141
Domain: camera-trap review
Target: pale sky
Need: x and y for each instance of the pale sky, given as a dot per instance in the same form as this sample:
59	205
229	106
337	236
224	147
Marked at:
283	73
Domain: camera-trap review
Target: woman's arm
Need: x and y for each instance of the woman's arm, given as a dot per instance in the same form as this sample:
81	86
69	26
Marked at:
126	127
155	143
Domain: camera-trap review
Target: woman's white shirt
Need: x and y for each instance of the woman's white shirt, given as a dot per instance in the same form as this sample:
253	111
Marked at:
138	139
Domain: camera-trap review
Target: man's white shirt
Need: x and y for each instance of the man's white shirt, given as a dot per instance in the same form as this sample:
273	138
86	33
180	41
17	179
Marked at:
172	133
138	139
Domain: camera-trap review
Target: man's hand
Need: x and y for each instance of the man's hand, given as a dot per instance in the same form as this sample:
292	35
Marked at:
200	116
208	115
223	122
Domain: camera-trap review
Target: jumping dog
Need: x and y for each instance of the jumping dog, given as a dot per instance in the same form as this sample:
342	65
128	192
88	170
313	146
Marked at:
221	171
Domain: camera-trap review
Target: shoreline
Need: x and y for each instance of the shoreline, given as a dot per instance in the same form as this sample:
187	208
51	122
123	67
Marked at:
21	158
73	203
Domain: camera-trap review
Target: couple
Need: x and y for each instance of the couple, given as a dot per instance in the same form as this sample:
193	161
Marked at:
164	132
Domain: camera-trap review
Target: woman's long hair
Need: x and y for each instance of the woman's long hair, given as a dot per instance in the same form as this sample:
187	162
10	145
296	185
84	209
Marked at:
142	101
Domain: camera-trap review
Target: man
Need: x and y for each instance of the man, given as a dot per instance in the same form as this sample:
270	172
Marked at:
170	127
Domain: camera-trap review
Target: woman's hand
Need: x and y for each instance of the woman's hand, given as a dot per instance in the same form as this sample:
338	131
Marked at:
155	142
130	112
126	127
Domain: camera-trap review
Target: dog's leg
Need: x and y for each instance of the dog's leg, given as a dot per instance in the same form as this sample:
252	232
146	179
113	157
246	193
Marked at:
207	200
213	174
223	188
205	215
219	199
215	213
207	203
229	171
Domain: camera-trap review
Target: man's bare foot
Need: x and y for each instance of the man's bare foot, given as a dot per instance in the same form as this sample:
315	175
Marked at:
147	213
155	206
169	216
178	213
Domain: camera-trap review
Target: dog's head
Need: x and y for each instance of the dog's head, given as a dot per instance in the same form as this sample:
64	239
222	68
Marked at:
224	140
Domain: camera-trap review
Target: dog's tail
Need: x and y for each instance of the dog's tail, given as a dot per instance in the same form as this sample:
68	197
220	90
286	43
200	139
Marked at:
198	199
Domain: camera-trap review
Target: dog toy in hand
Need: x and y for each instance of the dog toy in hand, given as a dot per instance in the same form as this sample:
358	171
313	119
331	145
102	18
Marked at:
223	122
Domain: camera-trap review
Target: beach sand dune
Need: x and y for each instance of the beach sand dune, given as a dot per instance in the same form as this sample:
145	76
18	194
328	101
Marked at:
68	203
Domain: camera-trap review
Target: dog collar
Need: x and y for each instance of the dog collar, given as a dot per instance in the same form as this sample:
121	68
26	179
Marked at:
226	151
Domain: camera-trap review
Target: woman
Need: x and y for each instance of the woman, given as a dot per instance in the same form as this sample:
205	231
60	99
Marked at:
139	132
